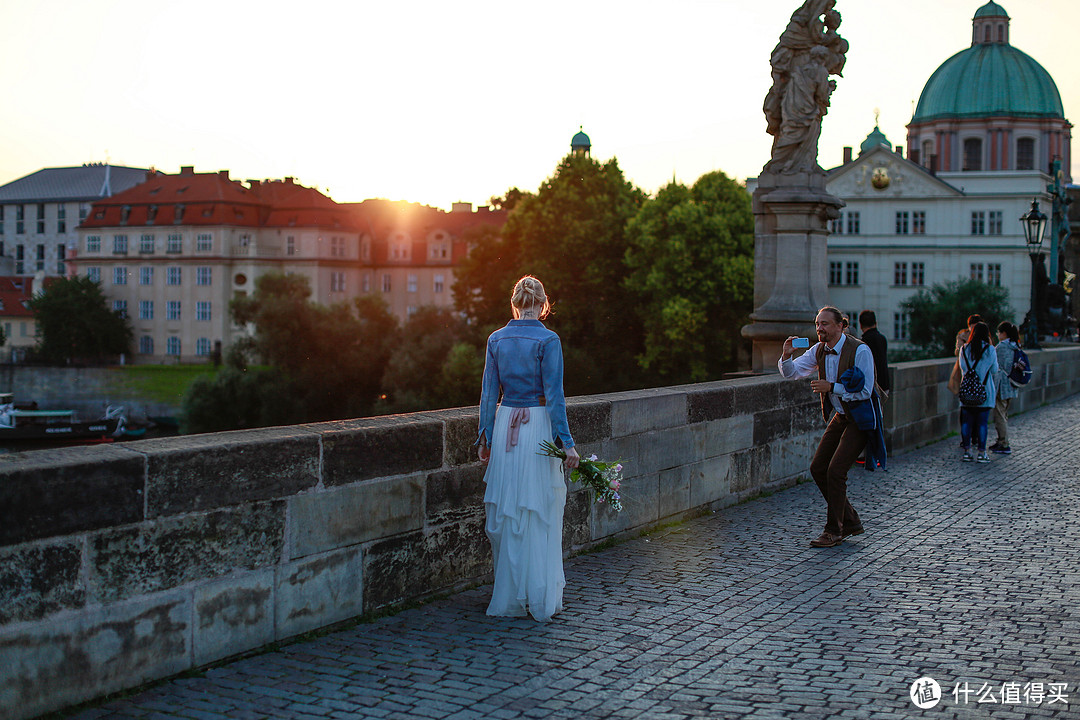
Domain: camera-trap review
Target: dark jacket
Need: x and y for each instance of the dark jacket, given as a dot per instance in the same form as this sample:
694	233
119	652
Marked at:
879	346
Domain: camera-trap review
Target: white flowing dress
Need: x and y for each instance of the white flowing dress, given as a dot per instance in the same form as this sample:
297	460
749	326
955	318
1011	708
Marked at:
524	499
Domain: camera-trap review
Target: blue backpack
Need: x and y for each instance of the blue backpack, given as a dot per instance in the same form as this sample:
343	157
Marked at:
1020	374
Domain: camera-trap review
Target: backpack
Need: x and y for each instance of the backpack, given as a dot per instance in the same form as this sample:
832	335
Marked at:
1020	374
972	389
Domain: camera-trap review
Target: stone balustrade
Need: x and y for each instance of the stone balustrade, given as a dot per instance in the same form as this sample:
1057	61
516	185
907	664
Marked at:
127	563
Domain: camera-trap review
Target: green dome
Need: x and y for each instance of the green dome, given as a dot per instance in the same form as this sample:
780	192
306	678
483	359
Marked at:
989	79
581	140
991	9
874	139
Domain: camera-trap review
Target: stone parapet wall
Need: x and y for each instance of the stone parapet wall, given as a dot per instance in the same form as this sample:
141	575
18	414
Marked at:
126	563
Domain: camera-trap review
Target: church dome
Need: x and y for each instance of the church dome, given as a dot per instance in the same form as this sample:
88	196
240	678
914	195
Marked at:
875	138
581	140
989	79
991	9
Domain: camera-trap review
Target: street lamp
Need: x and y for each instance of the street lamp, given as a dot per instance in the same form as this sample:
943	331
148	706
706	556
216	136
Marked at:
1034	223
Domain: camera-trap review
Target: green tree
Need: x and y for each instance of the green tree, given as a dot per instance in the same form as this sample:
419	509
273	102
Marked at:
434	364
484	278
75	324
937	312
691	262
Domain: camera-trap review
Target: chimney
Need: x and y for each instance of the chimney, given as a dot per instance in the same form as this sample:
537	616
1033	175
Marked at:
151	173
187	169
223	174
900	150
847	155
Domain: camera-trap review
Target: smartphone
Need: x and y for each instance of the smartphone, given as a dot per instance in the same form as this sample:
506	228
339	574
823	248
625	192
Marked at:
800	343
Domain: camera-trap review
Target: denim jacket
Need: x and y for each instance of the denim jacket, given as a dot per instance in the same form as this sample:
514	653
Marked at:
524	360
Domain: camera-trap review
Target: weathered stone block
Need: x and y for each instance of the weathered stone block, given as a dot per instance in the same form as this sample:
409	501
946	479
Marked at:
589	420
705	403
649	410
674	491
319	591
576	530
338	517
420	563
750	470
791	456
379	447
625	450
806	417
233	615
710	480
754	395
720	437
460	434
663	449
68	490
145	558
206	472
36	580
771	424
455	495
640	499
57	662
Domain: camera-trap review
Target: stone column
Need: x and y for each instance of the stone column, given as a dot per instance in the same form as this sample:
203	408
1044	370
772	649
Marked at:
791	216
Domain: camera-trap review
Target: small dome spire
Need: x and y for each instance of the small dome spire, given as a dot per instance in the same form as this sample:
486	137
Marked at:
875	138
580	143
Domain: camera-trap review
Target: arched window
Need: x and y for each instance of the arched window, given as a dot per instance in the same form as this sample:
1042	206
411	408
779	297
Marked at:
986	34
927	151
972	154
1001	33
1025	153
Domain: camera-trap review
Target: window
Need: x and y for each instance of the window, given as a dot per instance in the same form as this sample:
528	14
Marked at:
386	282
972	154
61	256
836	273
994	218
853	223
902	222
976	271
84	210
204	243
174	244
146	345
20	216
439	284
178	215
1	219
19	255
918	222
61	219
172	346
119	245
901	321
202	346
173	276
204	276
1025	154
918	273
120	307
337	247
853	319
202	311
836	227
146	309
366	283
94	274
39	263
290	245
412	283
146	276
993	274
337	282
927	151
900	273
851	273
146	244
410	311
120	275
151	214
41	218
93	243
172	310
978	222
125	213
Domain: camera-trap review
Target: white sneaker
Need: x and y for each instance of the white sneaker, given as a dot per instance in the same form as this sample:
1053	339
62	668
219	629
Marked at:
968	457
983	457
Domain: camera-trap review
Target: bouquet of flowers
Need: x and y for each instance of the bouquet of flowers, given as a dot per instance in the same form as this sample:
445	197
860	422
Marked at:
603	478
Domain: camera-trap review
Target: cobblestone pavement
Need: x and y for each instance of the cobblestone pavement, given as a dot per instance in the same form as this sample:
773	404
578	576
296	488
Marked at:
967	573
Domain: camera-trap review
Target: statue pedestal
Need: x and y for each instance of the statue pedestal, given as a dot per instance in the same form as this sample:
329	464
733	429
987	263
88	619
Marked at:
791	216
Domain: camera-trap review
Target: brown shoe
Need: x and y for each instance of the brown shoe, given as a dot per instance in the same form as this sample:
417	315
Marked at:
856	530
826	539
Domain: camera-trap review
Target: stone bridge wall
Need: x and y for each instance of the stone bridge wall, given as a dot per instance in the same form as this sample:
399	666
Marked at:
122	564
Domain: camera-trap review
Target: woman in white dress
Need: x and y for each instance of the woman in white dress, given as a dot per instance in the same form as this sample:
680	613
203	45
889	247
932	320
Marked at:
525	493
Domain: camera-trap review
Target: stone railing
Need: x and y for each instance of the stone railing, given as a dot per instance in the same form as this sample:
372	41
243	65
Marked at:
122	564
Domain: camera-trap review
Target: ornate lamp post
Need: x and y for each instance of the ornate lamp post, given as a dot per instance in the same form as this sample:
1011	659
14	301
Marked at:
1034	223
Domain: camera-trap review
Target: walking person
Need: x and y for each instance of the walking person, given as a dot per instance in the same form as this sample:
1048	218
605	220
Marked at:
879	347
525	494
835	353
980	360
962	336
1007	347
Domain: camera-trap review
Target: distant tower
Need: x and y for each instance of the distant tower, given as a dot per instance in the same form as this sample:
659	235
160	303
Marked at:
581	145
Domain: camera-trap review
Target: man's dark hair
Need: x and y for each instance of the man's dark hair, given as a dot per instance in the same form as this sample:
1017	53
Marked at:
837	315
972	319
867	318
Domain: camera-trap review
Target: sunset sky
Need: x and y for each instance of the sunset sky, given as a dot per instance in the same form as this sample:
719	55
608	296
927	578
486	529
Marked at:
437	102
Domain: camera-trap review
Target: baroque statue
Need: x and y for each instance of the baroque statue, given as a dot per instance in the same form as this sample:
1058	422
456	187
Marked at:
809	51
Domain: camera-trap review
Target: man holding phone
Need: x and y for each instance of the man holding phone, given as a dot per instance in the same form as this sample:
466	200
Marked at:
833	354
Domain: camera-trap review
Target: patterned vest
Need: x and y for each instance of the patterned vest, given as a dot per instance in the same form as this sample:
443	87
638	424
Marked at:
847	361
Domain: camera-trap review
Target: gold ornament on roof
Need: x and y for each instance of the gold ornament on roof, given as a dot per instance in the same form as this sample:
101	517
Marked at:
880	178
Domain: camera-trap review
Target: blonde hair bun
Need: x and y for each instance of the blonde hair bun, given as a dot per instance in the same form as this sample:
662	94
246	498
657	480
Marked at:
529	292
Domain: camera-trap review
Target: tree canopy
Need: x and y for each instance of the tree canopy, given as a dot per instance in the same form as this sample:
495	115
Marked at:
75	324
938	312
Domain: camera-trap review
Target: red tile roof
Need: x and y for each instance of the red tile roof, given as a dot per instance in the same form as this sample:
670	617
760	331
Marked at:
15	292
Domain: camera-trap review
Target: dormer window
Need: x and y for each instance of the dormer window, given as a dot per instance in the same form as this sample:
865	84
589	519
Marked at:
179	216
151	214
125	213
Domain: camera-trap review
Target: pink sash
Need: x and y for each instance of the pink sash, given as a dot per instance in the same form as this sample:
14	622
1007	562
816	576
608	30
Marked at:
518	417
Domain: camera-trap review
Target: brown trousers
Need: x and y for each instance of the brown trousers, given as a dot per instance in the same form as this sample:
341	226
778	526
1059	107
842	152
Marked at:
836	453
